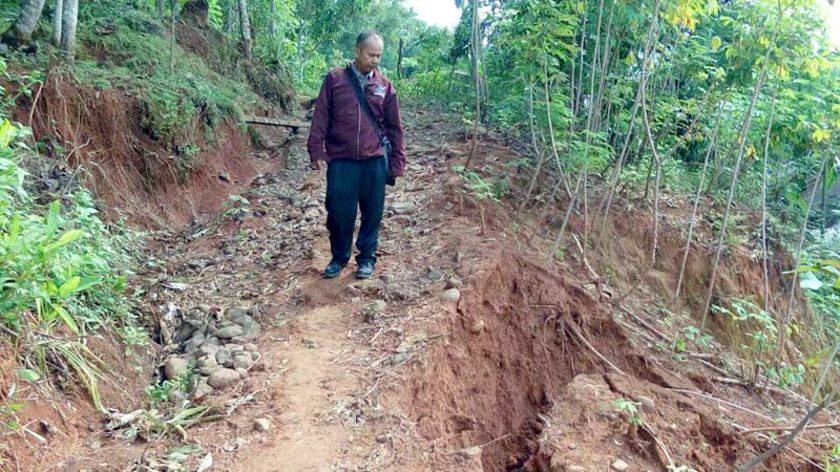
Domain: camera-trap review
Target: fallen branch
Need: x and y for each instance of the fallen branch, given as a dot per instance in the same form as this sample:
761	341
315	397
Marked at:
789	428
759	459
573	329
267	121
722	402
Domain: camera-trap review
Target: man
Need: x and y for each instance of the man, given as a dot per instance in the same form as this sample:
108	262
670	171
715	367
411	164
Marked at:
354	139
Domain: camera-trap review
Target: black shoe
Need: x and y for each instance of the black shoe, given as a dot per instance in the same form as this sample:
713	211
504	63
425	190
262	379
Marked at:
365	270
333	270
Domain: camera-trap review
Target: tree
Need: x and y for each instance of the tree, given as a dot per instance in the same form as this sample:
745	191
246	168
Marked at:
58	13
245	28
69	15
20	33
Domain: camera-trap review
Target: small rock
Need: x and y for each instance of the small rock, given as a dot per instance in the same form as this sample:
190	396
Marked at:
235	312
212	341
194	342
229	331
223	175
208	371
377	306
647	403
434	275
244	321
177	396
207	362
477	327
234	347
223	378
223	357
382	439
262	425
454	282
251	347
207	349
242	373
242	361
404	208
451	295
620	465
175	367
254	355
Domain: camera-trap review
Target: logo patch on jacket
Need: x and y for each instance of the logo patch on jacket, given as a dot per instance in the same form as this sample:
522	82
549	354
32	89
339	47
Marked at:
379	91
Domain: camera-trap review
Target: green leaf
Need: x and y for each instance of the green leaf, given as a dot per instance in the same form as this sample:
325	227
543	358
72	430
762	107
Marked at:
67	319
64	240
810	281
29	375
52	218
69	287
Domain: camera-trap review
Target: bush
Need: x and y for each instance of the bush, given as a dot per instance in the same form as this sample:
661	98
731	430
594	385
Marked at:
62	272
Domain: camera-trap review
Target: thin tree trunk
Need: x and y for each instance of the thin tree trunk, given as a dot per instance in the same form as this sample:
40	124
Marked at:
301	58
605	62
230	16
400	58
20	33
758	460
764	257
58	20
782	329
272	24
476	46
69	15
160	7
692	220
245	28
582	62
742	139
589	117
172	18
606	202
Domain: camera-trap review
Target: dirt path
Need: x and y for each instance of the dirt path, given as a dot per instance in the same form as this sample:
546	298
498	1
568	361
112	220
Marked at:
305	441
467	352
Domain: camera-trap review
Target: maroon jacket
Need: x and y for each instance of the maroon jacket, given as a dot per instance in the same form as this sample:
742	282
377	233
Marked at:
341	130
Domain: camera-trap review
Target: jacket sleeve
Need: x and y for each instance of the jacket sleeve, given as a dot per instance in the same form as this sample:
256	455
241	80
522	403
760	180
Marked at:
320	122
394	130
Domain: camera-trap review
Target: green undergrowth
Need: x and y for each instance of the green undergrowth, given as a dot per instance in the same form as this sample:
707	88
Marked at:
63	275
128	48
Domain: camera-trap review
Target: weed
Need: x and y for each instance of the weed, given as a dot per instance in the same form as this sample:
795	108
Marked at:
630	409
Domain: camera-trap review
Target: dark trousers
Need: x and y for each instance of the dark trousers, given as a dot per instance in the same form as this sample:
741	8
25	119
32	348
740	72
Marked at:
352	184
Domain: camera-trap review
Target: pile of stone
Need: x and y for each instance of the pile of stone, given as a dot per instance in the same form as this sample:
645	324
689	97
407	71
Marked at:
220	351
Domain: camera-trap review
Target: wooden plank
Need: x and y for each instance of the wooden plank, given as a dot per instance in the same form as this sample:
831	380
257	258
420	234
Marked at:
268	121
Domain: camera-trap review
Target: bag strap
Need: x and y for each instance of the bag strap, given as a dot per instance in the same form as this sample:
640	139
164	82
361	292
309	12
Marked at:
363	102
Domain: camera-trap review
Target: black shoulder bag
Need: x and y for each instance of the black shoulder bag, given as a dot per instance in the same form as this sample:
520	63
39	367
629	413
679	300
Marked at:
377	126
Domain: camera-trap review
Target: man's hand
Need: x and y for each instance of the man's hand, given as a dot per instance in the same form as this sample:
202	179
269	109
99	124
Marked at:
315	165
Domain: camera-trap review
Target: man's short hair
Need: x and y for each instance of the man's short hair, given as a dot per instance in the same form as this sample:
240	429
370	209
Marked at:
364	36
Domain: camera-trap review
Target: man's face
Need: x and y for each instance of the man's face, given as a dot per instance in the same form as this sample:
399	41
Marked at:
369	54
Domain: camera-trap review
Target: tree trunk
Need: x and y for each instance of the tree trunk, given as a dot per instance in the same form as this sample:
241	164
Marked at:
742	139
172	18
69	15
57	21
230	17
301	59
160	8
476	46
272	24
245	28
400	58
20	33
